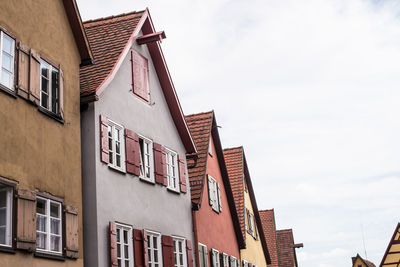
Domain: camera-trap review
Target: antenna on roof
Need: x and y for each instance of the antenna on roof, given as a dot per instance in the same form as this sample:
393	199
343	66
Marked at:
365	250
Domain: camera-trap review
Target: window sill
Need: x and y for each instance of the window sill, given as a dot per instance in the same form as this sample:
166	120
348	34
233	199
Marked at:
8	91
49	255
6	249
116	169
51	115
146	180
173	190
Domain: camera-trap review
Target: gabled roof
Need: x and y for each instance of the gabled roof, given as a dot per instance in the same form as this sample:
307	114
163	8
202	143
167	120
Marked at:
239	176
392	253
203	126
365	262
78	31
111	38
269	228
286	248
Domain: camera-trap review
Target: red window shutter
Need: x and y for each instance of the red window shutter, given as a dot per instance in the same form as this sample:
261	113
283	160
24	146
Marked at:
189	252
132	152
140	75
145	249
138	248
182	173
71	232
113	244
23	71
26	220
34	77
104	139
167	243
61	92
160	167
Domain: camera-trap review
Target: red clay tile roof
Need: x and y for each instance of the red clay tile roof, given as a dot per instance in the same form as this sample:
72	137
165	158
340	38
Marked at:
286	251
269	228
366	262
234	164
200	128
107	38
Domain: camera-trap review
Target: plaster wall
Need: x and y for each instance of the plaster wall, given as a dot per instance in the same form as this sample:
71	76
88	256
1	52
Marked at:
37	151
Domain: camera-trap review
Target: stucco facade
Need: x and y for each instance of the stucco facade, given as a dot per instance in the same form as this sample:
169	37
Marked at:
115	196
40	153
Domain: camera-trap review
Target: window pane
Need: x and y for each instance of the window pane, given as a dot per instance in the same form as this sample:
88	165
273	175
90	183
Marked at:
8	44
126	251
54	210
41	223
117	147
41	206
118	163
2	235
119	251
3	199
6	78
45	101
127	263
118	235
119	263
55	243
45	72
3	216
155	242
7	62
55	226
155	256
125	236
41	240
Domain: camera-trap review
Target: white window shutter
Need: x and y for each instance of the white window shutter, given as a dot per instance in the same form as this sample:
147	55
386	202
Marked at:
210	191
219	198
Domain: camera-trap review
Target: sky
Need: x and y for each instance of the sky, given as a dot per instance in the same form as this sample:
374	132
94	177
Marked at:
310	89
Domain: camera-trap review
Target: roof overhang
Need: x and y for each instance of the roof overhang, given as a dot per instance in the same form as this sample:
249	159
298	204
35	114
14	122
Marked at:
150	38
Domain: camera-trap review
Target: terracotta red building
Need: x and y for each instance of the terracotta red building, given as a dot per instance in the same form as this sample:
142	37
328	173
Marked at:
269	228
218	237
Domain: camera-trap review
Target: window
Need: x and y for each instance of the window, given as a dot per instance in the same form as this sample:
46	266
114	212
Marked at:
179	252
124	246
214	194
233	261
250	222
7	49
203	255
48	225
224	260
215	258
154	249
210	147
172	170
5	215
146	159
116	146
245	263
49	87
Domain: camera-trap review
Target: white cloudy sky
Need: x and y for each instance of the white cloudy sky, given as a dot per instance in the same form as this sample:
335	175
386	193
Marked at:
311	90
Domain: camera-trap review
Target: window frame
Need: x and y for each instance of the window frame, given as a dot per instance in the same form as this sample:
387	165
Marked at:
151	159
202	255
48	233
119	227
177	239
225	260
9	226
215	195
250	225
47	63
150	241
168	153
111	152
2	33
215	257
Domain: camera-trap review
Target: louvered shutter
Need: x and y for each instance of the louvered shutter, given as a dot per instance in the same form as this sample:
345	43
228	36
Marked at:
145	249
61	92
160	167
113	244
132	152
26	220
138	248
182	173
210	191
34	77
140	75
189	253
23	71
71	232
219	198
167	243
104	156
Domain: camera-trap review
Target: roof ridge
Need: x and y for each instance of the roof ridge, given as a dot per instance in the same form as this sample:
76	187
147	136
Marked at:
201	113
266	210
111	17
232	148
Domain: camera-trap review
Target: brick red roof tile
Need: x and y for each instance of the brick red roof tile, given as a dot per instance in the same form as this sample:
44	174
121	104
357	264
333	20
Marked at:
107	37
286	251
234	165
269	228
200	128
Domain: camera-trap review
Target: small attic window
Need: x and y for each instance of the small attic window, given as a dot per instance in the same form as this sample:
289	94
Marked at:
140	76
210	147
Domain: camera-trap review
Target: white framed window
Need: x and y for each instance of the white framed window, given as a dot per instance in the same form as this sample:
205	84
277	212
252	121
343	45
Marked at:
172	170
124	246
49	87
7	55
210	147
179	252
215	257
214	194
48	225
203	255
245	263
154	249
6	193
233	262
250	222
224	260
116	146
146	159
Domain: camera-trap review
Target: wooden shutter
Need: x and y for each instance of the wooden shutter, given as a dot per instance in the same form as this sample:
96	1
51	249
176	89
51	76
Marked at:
26	220
23	71
71	232
34	77
189	253
219	198
210	194
138	248
182	173
104	156
145	249
113	244
61	92
140	75
167	243
132	152
160	167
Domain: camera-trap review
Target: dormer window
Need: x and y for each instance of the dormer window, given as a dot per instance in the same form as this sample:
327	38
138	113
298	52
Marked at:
140	76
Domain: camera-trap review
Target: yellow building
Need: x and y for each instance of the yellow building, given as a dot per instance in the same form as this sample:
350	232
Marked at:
256	251
360	262
392	253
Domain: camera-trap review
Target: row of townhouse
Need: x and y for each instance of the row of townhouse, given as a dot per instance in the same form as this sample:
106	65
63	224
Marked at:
99	165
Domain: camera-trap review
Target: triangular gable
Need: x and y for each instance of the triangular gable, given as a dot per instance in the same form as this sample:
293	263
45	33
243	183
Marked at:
269	229
203	126
111	39
392	253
